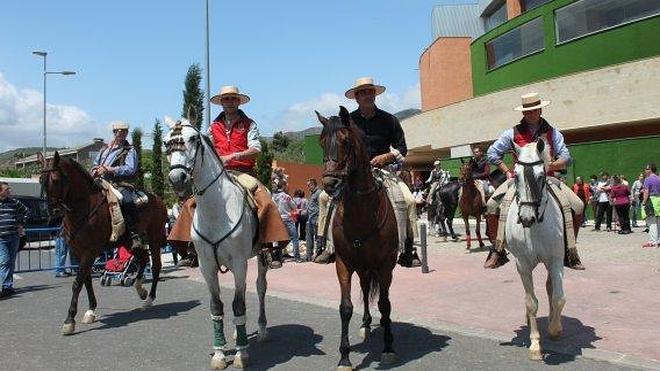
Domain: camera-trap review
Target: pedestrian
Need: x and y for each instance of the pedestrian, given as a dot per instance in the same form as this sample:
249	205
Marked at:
636	198
604	207
286	206
12	219
312	240
62	249
620	195
651	204
583	191
301	210
593	188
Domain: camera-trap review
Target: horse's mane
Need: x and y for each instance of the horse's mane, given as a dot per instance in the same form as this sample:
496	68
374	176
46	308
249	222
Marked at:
83	173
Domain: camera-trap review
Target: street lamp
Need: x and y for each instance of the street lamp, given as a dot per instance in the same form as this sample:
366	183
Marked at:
208	71
46	73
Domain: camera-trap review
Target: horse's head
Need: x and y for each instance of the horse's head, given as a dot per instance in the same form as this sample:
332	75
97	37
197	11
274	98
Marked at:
465	172
54	184
182	143
339	141
530	170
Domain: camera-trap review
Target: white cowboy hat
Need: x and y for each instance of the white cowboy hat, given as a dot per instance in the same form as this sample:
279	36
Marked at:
120	125
364	83
226	91
531	102
436	162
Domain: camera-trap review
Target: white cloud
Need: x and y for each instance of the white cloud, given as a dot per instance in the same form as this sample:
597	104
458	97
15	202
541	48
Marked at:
301	115
21	121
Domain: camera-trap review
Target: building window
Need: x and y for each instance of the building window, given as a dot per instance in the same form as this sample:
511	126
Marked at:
585	17
527	5
515	44
496	17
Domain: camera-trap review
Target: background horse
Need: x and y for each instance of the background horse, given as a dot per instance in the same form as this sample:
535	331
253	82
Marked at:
69	187
534	233
470	203
445	202
224	231
364	228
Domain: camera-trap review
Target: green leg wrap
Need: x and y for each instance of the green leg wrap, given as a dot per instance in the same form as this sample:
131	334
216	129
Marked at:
219	340
241	336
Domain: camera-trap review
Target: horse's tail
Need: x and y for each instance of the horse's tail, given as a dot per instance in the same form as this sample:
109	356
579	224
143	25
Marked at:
373	284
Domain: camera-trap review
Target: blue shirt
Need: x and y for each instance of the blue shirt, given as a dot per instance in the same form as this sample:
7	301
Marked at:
504	144
12	214
108	155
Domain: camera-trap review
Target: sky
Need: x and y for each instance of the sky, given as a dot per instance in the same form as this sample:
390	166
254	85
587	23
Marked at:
131	58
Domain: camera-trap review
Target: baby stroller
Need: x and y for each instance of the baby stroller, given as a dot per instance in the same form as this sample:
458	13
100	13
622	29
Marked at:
123	267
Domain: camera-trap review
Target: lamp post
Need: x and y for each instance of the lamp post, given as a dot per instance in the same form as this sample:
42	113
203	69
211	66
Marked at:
208	71
46	73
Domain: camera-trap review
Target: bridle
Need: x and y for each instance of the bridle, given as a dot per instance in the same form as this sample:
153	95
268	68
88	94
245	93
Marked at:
535	189
57	203
344	174
176	143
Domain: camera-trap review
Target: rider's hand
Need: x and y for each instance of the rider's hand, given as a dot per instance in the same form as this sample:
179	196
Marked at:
381	160
510	174
227	158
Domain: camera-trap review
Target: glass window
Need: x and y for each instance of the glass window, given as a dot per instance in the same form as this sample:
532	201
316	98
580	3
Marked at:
588	16
515	44
496	18
531	4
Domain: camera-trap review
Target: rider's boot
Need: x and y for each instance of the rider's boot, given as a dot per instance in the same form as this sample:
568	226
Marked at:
571	257
131	228
492	221
409	258
325	257
276	256
495	258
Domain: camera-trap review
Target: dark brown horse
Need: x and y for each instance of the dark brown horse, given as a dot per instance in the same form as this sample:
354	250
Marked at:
70	189
470	203
364	228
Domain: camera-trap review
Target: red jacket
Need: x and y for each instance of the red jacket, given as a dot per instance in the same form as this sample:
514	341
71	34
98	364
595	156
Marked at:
585	189
236	140
523	136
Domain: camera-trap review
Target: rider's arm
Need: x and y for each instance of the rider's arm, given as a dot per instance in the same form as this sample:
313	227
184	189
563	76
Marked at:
254	145
130	165
563	156
430	177
399	148
496	151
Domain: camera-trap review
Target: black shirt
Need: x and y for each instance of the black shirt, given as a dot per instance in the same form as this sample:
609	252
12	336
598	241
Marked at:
381	131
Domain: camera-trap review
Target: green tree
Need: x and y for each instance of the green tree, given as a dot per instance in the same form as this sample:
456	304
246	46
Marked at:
193	96
157	176
264	164
280	142
136	139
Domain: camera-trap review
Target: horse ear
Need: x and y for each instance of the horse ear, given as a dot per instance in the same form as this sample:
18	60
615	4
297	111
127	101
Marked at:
56	159
41	159
168	120
345	116
540	145
322	119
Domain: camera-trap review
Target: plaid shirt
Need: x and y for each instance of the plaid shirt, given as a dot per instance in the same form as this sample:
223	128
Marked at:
12	214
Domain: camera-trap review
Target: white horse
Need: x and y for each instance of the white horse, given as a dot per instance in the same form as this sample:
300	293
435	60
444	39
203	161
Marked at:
224	231
535	234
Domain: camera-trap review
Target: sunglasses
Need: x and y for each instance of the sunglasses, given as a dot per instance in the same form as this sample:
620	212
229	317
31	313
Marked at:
119	130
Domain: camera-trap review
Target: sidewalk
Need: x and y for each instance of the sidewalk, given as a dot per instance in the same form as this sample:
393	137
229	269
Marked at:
610	314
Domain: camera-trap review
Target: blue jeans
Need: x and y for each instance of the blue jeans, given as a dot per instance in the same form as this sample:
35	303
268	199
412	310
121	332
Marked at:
293	233
8	250
310	238
61	251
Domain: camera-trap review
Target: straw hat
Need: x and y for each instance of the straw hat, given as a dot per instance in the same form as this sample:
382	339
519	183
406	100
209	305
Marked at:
531	102
364	83
229	91
120	125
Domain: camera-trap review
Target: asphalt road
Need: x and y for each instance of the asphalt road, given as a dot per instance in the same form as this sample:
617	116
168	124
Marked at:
176	335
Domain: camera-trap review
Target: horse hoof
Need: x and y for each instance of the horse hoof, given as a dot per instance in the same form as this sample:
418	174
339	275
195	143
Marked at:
555	336
68	328
344	368
142	293
240	361
147	304
535	355
263	337
364	333
89	317
444	239
218	362
388	358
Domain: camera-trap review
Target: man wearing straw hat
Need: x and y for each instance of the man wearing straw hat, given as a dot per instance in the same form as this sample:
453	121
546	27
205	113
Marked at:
530	128
236	140
386	147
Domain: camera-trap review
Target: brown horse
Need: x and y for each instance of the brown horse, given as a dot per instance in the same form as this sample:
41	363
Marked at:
470	203
364	228
70	189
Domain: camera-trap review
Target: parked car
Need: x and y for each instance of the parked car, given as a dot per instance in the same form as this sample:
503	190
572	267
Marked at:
38	217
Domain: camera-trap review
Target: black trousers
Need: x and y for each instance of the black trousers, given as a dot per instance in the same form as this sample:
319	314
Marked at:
604	209
622	211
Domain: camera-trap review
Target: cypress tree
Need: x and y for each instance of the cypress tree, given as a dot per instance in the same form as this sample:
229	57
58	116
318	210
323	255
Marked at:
157	176
193	96
137	144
